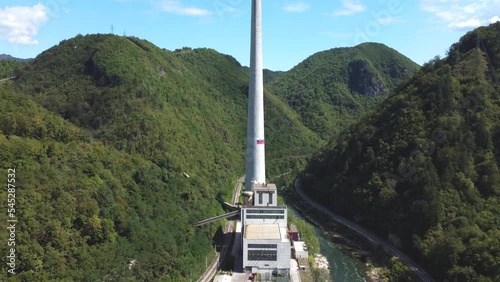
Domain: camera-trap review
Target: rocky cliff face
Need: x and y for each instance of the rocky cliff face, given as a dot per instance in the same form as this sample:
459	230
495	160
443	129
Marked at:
364	80
333	87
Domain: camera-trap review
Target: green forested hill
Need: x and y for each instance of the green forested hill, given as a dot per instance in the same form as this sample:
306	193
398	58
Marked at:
332	88
101	130
5	57
84	209
142	99
8	64
7	68
424	167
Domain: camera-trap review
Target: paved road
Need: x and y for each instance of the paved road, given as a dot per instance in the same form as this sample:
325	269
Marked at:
374	239
294	272
214	265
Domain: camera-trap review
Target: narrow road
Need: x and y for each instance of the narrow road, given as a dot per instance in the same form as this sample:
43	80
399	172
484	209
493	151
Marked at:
228	229
374	239
8	78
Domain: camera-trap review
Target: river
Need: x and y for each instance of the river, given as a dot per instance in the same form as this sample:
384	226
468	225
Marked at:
343	266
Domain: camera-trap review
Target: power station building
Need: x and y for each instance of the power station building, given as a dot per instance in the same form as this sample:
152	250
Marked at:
266	245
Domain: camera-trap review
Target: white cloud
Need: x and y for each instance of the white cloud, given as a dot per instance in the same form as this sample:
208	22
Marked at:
465	23
176	7
349	8
494	19
297	7
462	14
20	24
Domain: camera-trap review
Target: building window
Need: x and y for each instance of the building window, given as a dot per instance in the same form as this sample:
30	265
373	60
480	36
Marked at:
265	216
262	246
266	211
266	255
270	198
260	198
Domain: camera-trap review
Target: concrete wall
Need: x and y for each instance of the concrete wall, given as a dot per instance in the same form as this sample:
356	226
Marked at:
301	254
265	198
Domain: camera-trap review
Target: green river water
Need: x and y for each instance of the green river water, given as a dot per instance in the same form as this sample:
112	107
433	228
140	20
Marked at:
343	266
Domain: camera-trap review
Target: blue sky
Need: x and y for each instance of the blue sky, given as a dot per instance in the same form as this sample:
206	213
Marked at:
293	29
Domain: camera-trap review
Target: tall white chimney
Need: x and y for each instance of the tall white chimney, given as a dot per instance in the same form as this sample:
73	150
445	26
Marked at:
256	165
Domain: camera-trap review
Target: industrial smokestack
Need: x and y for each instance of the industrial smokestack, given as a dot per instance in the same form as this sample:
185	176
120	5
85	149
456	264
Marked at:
255	162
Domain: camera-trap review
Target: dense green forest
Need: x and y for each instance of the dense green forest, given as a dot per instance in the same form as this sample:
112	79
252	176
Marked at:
332	88
5	57
7	68
423	169
119	148
8	64
84	209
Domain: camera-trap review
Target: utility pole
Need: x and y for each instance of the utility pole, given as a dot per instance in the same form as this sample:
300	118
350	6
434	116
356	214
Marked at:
112	29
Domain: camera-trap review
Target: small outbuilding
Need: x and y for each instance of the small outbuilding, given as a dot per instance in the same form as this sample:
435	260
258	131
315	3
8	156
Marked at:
294	233
300	250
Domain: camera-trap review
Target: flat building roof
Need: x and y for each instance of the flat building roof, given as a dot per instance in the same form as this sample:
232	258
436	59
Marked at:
264	187
300	246
262	232
223	278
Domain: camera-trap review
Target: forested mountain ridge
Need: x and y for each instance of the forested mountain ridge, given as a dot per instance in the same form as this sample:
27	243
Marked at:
423	168
6	57
8	64
334	87
200	92
269	75
119	148
7	67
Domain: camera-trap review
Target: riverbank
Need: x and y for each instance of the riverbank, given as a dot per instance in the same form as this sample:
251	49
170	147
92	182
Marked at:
321	262
345	240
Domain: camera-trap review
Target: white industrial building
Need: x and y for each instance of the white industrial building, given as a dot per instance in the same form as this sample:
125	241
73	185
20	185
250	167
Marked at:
266	246
265	239
300	249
